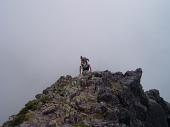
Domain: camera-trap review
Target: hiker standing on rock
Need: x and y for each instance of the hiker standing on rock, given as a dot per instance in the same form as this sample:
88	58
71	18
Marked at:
85	66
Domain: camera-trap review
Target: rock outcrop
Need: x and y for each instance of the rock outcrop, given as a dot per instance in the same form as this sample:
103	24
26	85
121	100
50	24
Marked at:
98	99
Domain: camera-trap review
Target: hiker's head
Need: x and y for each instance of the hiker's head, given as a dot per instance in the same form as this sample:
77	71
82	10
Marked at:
84	60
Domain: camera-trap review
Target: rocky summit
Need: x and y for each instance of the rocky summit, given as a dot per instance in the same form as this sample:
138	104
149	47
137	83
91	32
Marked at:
97	99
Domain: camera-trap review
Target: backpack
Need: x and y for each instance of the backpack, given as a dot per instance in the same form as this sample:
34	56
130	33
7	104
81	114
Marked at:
85	67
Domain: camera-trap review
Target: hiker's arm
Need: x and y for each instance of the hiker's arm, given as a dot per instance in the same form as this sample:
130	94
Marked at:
90	68
80	70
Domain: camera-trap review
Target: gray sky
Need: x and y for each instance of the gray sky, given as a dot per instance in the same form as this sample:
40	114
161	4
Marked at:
41	40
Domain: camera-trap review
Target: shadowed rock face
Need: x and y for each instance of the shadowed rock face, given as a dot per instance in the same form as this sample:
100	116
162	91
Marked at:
99	99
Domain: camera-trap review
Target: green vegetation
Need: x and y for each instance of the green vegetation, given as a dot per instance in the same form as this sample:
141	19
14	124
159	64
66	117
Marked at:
21	116
44	99
24	114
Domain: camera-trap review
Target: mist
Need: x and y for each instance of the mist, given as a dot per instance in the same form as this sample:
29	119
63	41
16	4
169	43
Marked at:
43	40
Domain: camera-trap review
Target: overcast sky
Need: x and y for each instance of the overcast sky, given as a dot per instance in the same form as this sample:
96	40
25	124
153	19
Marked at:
41	40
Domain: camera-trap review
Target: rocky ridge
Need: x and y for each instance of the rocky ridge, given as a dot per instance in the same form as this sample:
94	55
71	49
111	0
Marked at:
98	99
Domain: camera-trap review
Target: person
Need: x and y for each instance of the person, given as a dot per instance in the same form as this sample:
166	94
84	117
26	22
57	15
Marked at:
85	66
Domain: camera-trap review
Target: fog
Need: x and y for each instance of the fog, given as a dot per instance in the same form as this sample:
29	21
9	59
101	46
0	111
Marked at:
41	40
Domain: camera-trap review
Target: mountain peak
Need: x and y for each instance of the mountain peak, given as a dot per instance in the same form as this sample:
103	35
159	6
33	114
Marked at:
97	99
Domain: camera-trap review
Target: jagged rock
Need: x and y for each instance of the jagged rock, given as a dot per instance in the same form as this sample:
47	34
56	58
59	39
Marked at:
49	110
117	76
105	95
38	96
97	99
154	95
156	113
